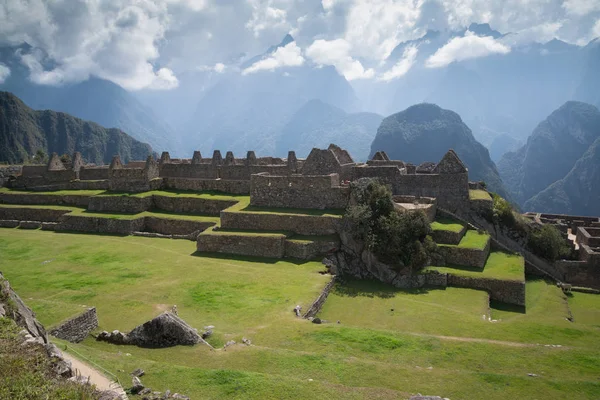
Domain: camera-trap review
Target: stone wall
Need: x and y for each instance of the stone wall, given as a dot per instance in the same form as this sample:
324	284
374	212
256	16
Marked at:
93	173
191	205
9	223
309	250
588	236
7	171
300	224
448	237
137	204
76	329
216	185
246	245
31	214
298	191
167	226
100	225
465	256
44	199
511	292
121	204
316	306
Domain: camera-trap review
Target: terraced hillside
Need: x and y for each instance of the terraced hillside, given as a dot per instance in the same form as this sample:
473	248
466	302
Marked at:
375	342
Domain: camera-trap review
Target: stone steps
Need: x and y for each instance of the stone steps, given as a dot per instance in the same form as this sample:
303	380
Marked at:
466	256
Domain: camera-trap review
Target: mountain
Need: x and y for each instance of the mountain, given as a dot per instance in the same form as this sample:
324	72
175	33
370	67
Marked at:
425	132
578	193
245	112
551	151
502	144
24	131
95	99
588	89
317	124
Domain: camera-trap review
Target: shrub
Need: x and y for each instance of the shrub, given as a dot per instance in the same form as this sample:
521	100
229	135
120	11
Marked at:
397	239
547	242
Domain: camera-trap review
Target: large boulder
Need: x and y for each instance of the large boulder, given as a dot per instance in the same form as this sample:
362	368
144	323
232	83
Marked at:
15	308
166	330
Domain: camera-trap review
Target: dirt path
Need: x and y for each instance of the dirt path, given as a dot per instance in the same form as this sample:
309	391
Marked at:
96	378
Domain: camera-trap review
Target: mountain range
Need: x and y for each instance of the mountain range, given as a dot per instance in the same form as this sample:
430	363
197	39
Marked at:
560	151
425	132
24	131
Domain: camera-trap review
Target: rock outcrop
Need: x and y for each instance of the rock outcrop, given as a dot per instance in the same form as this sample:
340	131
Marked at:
166	330
13	307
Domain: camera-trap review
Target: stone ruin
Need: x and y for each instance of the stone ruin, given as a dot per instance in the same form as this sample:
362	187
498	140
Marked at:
319	181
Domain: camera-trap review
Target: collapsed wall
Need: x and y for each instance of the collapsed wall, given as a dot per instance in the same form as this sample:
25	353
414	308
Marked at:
76	329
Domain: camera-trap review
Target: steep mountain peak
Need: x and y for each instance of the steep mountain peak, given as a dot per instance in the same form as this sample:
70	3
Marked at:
484	30
425	132
557	45
287	39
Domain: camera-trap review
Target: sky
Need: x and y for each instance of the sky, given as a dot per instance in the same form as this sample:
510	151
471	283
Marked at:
143	44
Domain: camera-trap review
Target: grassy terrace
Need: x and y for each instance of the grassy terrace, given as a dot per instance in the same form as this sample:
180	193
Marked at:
479	195
446	224
80	211
434	341
57	192
472	240
499	265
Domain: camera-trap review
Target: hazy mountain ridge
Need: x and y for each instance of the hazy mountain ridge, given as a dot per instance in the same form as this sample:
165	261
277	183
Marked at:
24	131
578	193
425	132
317	124
95	99
551	151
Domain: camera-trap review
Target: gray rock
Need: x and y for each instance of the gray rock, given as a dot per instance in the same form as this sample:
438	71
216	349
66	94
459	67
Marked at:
22	314
166	330
316	320
138	372
136	385
145	391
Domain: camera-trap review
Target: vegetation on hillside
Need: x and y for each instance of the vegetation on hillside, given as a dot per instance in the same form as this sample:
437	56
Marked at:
399	239
30	135
26	371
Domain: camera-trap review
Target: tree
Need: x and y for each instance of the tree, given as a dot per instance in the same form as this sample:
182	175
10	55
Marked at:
65	158
40	157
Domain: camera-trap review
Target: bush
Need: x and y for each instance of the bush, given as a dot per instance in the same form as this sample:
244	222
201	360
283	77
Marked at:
547	242
397	239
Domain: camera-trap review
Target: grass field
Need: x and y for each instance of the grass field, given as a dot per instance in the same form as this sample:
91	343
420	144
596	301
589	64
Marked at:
479	195
473	240
446	224
499	265
433	342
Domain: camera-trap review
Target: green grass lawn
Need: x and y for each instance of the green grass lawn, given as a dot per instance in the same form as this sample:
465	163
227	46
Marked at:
499	265
434	342
585	308
56	192
479	195
446	224
473	240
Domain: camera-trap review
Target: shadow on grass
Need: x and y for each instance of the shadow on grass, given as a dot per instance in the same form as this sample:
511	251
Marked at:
371	288
499	306
254	259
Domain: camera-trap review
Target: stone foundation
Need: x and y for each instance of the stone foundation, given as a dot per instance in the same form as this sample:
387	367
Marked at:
76	329
200	185
448	237
299	224
309	250
44	199
511	292
31	214
465	256
272	246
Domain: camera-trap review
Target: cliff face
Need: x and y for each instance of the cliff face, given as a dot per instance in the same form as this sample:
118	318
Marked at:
425	132
550	155
24	131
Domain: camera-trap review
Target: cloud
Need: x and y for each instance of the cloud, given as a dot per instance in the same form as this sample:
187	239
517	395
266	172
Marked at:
596	29
581	7
218	67
375	27
408	59
4	72
265	16
287	56
464	48
114	41
337	53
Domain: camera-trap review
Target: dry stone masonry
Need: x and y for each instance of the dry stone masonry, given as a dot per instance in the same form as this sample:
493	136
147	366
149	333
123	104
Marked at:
76	329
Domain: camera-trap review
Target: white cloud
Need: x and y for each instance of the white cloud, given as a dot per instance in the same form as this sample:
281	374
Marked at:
4	72
337	53
596	29
540	33
581	7
218	67
265	15
287	56
464	48
113	41
375	27
408	59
